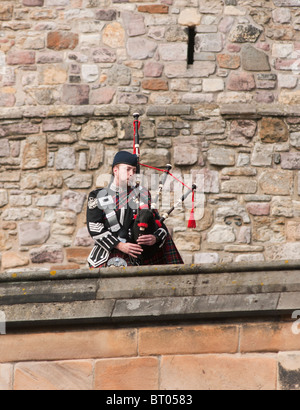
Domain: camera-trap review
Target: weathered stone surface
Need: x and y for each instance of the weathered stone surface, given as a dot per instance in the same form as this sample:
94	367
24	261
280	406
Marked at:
35	153
254	60
276	182
290	160
229	61
104	55
33	233
13	260
209	43
73	201
245	33
221	234
221	157
67	94
75	94
113	35
47	254
59	40
240	186
3	198
99	130
140	49
273	130
189	17
241	82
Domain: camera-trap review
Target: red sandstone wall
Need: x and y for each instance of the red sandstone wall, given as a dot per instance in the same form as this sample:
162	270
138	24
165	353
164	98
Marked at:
209	356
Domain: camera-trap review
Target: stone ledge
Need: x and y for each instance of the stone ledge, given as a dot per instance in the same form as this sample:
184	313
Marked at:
65	111
257	111
150	294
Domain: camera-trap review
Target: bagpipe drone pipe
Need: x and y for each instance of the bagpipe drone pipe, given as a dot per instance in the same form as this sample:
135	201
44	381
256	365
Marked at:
146	221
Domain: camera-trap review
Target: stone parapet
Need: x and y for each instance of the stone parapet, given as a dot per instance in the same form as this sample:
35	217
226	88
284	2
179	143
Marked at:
150	294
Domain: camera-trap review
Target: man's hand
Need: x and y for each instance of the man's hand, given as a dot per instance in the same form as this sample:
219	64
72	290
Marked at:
130	249
149	240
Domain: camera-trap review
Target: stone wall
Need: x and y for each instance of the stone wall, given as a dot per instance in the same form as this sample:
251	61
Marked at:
72	72
233	356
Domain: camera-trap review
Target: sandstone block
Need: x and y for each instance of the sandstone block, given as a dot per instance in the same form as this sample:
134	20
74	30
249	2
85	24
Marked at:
213	85
240	186
182	372
134	24
71	375
75	94
173	52
65	158
155	85
198	339
33	233
73	201
221	234
13	260
3	198
19	214
90	73
254	60
153	69
245	33
221	157
241	82
190	17
273	130
276	182
284	251
262	155
106	15
104	55
6	377
7	100
47	254
290	160
102	96
58	40
154	9
33	3
229	61
4	148
6	12
293	231
99	130
204	258
140	49
125	374
288	368
21	58
78	255
259	208
79	181
209	43
57	124
35	152
114	35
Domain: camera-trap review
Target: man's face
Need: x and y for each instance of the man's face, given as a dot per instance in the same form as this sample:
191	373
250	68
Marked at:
124	174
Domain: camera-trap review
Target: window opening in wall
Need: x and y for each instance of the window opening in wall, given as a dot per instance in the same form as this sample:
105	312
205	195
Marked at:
191	45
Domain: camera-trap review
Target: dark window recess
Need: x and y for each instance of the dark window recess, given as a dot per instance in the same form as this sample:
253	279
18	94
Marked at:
191	45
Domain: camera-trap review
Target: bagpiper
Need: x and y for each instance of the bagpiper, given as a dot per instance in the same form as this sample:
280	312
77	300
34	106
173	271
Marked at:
111	213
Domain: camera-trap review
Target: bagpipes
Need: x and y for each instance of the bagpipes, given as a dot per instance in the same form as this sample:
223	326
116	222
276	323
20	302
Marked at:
166	172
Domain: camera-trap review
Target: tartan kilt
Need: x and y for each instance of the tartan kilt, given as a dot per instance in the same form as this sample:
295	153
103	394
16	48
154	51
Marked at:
167	255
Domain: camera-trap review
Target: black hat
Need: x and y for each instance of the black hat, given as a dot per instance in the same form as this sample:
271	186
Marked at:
124	157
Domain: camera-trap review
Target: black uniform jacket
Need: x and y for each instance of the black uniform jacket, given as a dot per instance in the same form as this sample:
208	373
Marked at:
110	216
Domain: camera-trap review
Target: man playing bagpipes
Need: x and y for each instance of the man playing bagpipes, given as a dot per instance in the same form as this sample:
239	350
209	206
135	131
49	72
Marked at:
111	221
